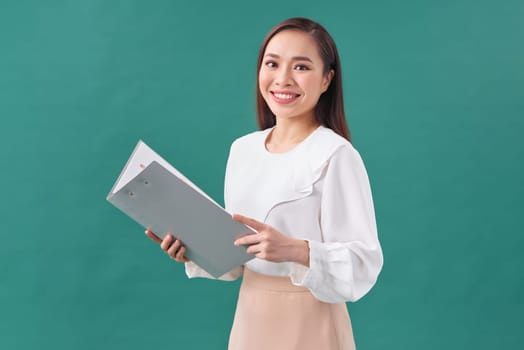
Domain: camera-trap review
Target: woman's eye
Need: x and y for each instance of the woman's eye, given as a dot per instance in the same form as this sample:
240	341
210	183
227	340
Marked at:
271	64
301	67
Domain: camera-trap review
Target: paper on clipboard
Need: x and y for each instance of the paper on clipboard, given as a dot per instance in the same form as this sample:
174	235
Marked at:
158	196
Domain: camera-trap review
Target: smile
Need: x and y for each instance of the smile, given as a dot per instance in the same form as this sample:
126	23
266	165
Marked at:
284	97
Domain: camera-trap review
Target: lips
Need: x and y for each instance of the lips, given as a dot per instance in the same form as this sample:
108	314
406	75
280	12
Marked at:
284	97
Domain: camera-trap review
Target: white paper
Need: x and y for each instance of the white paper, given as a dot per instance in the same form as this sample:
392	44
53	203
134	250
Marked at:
141	157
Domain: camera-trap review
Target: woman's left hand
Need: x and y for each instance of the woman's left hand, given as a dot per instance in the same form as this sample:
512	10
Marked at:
269	244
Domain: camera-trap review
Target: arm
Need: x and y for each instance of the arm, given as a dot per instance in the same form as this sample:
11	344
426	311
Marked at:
346	265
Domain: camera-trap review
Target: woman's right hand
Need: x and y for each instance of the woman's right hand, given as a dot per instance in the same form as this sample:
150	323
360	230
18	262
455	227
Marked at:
171	246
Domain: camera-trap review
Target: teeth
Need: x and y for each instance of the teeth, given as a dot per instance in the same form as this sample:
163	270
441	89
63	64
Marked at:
284	96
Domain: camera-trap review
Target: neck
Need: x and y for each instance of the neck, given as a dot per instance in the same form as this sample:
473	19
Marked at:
289	132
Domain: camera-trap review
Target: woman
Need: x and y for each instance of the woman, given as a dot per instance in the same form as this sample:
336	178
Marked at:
303	187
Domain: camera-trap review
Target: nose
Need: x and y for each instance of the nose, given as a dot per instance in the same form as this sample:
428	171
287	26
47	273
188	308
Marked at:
284	77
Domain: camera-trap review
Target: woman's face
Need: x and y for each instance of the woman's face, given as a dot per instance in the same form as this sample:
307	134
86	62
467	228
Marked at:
291	77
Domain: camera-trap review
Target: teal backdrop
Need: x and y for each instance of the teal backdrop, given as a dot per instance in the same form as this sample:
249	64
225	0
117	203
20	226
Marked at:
435	99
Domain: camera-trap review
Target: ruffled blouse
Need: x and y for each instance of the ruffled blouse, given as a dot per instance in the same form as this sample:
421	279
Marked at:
319	192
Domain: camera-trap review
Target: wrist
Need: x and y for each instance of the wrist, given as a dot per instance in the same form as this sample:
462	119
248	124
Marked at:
301	252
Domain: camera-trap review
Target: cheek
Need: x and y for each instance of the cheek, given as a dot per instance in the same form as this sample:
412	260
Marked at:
313	85
263	81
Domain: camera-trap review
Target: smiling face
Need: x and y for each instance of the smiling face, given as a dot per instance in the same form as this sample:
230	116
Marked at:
291	77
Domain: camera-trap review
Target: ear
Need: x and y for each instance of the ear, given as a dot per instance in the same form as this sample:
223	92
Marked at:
326	80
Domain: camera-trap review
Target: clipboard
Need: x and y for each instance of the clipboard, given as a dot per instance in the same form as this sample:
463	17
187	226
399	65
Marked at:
157	196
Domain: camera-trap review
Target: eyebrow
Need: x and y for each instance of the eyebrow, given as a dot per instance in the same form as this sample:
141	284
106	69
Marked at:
296	58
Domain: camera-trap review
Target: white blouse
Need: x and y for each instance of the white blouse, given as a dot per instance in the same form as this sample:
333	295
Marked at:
319	191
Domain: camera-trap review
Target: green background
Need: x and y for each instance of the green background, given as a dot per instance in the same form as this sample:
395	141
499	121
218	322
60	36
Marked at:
435	100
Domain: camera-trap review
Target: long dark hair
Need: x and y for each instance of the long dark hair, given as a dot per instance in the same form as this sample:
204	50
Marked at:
329	110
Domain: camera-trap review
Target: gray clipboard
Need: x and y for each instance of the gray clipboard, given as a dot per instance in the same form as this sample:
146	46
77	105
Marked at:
159	200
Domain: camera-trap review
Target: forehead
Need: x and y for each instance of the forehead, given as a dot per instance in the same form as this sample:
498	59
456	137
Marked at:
290	43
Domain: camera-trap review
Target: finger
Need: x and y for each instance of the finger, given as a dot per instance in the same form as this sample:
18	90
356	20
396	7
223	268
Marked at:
254	249
257	225
248	240
153	237
180	255
166	242
172	250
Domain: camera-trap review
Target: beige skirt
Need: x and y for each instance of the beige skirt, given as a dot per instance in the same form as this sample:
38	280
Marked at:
274	314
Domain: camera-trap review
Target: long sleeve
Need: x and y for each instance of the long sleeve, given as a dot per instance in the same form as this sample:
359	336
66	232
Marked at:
345	266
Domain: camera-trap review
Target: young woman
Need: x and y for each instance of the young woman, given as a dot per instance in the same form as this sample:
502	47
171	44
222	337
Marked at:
303	187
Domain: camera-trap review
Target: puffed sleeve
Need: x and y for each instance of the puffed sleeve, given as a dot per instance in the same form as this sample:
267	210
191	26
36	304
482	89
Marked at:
192	269
347	263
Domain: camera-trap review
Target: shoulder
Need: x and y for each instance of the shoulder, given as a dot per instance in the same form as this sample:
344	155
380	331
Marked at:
326	145
322	149
251	140
250	146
